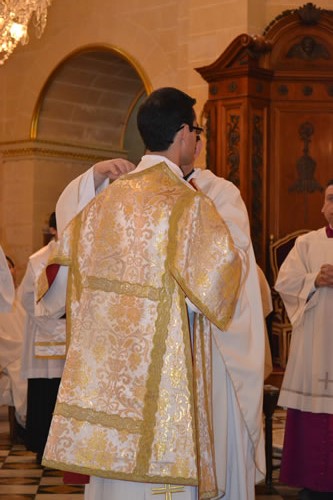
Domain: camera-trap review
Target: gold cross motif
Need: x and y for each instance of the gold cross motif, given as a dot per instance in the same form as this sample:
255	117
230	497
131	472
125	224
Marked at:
326	380
168	490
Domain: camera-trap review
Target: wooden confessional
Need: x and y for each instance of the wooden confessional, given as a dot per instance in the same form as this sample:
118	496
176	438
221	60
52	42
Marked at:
269	119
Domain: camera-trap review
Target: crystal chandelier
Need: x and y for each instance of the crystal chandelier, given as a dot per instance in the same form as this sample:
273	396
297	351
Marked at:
15	16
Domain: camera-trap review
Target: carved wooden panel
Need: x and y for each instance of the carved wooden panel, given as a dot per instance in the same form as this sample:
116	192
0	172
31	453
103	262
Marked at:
270	120
302	161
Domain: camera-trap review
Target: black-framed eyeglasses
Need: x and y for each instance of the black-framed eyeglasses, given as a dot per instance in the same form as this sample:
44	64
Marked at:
198	130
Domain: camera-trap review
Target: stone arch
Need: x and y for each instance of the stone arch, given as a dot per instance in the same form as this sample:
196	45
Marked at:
89	100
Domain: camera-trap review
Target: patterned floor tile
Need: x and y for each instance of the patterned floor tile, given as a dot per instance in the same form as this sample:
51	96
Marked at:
21	478
10	473
47	480
12	496
63	489
11	489
53	496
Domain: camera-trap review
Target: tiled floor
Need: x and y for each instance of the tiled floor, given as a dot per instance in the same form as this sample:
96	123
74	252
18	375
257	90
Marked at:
22	479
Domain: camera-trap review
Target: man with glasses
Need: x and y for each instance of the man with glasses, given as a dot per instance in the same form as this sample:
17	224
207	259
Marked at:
134	407
238	400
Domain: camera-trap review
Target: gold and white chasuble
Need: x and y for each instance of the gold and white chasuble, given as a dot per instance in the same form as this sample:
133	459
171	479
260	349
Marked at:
134	402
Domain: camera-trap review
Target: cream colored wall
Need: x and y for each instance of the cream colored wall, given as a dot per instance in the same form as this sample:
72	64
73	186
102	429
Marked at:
166	39
30	188
17	213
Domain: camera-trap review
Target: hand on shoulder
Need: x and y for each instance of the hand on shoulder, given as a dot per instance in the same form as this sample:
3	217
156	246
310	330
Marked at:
111	169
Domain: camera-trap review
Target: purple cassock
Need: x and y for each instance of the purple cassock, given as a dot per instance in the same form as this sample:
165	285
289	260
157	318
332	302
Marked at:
307	460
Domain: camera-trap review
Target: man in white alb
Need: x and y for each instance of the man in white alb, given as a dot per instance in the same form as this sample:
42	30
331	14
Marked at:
240	349
200	256
13	388
305	283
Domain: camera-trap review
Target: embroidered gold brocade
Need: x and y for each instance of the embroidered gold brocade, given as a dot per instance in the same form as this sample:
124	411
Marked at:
43	285
126	406
203	382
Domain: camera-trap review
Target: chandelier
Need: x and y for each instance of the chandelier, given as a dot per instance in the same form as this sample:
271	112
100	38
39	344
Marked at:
15	16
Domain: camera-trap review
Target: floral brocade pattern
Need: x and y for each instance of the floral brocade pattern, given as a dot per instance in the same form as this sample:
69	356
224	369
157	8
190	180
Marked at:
107	370
125	406
175	442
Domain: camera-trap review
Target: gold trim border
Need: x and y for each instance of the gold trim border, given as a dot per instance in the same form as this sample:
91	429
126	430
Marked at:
130	476
53	149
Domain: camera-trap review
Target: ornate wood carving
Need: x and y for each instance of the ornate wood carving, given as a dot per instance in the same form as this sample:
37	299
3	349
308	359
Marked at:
306	165
257	181
308	48
308	15
264	91
233	154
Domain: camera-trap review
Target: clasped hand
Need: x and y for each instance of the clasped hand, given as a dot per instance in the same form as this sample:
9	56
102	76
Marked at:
325	276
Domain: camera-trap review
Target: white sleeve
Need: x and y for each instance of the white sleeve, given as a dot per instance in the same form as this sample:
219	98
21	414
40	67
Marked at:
294	282
25	291
231	207
53	304
72	200
75	197
7	289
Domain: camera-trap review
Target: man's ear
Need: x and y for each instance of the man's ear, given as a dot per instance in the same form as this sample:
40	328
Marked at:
182	133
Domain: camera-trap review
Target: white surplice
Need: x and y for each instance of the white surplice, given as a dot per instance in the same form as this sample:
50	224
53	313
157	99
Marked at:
241	352
37	325
308	379
7	289
238	354
13	389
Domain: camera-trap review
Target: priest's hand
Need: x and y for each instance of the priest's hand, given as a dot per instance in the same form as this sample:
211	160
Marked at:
325	276
111	169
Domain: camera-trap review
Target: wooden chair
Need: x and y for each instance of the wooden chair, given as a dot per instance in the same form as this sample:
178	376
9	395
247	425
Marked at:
280	325
271	396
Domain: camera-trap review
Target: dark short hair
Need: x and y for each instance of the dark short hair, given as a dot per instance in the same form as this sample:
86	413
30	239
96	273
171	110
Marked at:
162	114
53	221
329	183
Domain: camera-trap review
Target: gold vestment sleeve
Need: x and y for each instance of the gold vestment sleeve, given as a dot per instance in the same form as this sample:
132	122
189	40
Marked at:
204	260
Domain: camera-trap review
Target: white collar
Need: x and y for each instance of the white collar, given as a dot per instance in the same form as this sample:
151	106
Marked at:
148	161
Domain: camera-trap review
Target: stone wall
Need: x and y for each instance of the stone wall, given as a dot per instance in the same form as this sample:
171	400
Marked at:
165	40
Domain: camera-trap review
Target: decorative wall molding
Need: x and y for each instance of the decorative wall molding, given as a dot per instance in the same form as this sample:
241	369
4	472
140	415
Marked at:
50	149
